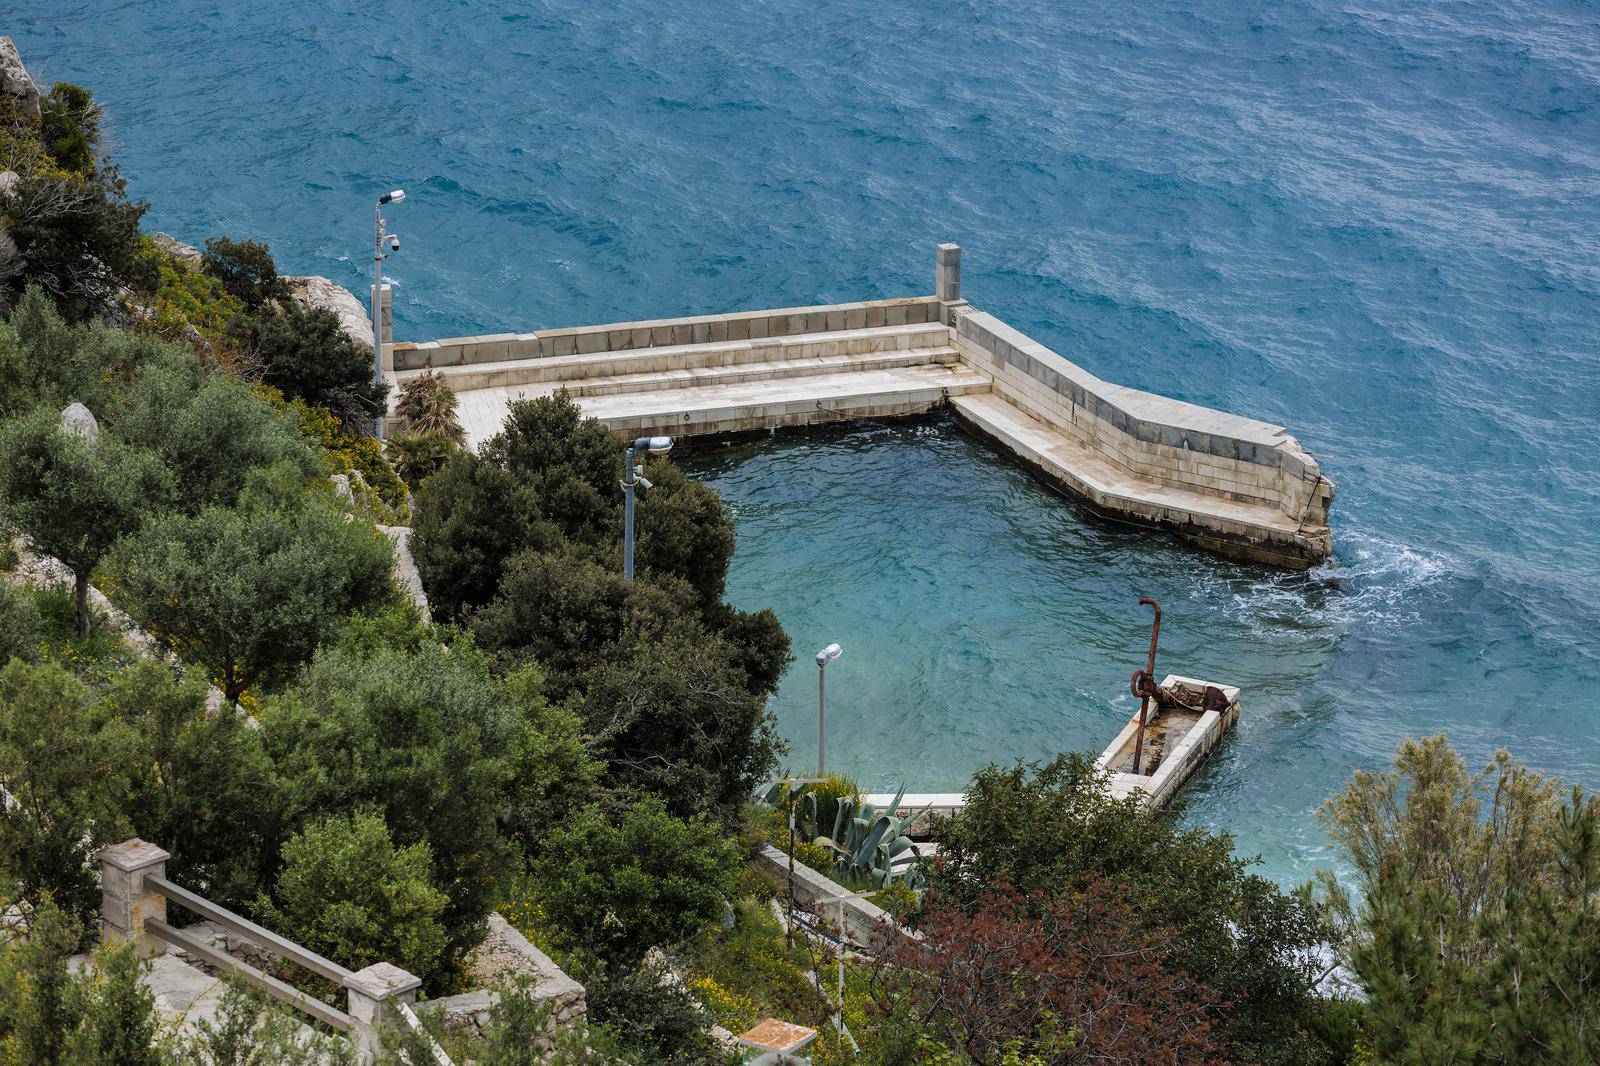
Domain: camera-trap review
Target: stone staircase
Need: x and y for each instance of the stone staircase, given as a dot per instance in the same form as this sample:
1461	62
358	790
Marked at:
723	387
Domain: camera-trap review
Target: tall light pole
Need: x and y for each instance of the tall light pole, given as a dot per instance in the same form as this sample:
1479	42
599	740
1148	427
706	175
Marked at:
380	240
824	657
630	478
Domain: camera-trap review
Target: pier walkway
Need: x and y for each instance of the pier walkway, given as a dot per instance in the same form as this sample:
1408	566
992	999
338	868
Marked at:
1231	484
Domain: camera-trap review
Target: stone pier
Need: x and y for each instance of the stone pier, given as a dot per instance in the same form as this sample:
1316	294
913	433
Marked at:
1231	484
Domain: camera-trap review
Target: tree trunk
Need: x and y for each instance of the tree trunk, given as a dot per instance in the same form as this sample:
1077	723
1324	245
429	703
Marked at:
80	596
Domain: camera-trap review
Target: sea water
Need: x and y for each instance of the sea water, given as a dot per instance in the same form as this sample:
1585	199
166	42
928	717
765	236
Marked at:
1375	223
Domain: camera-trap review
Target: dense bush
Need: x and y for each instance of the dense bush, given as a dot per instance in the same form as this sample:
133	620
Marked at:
208	431
420	732
428	406
347	892
19	624
76	235
417	456
66	764
617	889
305	354
468	519
1052	830
245	270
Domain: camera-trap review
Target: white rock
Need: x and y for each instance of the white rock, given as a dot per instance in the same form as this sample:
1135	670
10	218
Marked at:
177	249
80	422
314	291
14	79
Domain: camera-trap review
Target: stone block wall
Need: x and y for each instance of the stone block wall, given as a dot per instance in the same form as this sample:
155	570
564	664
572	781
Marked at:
698	329
1153	437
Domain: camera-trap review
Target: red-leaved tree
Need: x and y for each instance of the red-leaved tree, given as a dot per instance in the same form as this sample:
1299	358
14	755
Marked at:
1066	981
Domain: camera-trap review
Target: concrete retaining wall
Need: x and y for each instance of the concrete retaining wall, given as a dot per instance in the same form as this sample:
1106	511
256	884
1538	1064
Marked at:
866	922
698	329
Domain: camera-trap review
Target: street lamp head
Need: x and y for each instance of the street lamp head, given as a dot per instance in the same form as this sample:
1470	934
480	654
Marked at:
828	654
653	445
393	197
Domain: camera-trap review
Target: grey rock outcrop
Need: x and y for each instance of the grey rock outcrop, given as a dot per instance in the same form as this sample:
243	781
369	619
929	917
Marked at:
14	79
188	253
316	291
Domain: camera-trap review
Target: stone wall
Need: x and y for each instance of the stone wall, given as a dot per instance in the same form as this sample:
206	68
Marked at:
698	329
1153	437
866	922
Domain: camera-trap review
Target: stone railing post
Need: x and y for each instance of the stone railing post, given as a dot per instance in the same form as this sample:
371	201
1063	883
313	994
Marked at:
125	902
947	276
373	994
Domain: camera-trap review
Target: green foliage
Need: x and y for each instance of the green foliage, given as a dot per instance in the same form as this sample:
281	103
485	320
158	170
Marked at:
245	270
652	1017
615	890
70	127
568	464
468	518
66	765
864	841
552	773
250	593
416	456
423	734
521	1031
348	892
1478	940
1047	830
203	786
428	406
209	432
46	362
19	624
684	530
71	499
75	231
305	354
186	303
249	1031
101	1015
346	450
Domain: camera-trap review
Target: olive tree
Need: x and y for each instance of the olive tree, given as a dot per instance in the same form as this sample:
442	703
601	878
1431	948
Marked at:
71	498
251	592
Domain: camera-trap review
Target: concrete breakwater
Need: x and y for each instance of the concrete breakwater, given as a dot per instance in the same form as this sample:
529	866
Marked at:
1234	485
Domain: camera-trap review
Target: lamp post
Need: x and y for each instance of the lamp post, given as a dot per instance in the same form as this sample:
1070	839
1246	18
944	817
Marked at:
630	478
380	240
824	657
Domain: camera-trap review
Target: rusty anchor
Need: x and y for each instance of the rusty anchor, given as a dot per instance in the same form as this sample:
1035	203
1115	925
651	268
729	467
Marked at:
1143	685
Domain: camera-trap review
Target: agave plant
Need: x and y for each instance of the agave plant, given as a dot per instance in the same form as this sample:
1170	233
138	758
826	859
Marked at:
865	841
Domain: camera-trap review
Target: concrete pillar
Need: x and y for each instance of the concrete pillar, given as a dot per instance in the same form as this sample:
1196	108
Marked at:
372	996
388	325
947	276
125	902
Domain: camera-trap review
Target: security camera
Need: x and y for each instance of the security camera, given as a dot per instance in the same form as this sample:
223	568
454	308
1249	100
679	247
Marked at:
394	241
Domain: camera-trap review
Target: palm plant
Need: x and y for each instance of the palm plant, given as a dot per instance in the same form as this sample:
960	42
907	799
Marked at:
429	407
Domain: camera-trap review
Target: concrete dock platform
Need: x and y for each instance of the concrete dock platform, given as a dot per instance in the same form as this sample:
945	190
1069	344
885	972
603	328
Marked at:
1233	485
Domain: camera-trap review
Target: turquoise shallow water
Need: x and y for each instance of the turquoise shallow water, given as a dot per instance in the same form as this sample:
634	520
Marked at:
1376	223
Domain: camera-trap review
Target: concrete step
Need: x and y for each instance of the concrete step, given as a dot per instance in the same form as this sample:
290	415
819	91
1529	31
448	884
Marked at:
735	373
684	357
727	407
1110	487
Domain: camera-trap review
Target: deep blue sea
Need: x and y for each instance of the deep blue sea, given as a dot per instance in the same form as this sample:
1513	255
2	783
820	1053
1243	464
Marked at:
1377	223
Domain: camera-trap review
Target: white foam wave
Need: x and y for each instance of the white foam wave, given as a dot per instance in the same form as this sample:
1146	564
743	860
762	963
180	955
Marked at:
1371	582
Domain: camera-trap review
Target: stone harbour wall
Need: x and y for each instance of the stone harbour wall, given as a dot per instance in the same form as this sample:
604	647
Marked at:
661	332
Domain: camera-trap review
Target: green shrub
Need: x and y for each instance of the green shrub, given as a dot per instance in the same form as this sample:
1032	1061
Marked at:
417	456
19	624
468	518
428	406
305	354
422	733
616	890
348	892
245	270
66	766
652	1016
